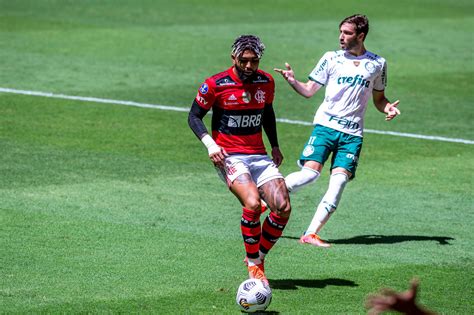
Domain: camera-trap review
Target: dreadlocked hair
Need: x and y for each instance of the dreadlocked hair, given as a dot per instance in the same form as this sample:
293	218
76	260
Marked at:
247	42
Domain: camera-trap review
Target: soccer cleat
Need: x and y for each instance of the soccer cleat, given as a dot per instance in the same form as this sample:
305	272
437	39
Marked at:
313	239
256	272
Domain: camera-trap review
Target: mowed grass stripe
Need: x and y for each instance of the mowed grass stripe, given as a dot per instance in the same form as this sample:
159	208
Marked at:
184	109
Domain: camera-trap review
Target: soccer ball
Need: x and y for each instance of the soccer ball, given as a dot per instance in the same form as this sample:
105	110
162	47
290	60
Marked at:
253	296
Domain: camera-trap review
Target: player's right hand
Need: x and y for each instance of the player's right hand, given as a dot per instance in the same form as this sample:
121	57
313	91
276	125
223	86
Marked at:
217	155
288	74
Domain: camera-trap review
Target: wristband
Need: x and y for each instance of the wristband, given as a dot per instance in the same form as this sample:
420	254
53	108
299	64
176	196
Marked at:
208	141
210	144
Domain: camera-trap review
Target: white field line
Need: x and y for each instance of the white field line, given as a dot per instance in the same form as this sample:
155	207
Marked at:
183	109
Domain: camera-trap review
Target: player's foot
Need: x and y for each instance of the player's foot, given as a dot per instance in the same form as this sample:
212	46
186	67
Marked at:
313	239
256	272
262	264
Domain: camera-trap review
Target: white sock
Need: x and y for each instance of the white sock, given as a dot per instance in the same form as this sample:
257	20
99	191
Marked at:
253	262
329	203
296	180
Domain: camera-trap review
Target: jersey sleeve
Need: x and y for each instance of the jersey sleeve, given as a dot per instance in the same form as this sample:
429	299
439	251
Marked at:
271	91
206	94
380	81
320	73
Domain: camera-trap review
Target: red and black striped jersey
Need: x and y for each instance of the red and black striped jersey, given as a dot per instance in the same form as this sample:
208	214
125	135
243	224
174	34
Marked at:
237	109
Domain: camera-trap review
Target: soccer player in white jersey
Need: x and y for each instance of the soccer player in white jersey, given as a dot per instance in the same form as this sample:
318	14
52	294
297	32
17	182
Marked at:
350	75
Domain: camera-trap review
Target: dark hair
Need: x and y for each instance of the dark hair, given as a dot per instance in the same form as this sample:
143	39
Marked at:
247	42
360	21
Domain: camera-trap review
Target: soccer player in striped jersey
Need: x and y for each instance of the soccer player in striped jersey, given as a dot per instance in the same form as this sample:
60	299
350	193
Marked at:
351	76
241	99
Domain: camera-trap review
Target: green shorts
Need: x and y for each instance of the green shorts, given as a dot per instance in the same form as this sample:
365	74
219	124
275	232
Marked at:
345	148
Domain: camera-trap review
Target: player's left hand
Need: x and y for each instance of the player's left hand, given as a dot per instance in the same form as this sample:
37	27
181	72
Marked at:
218	156
277	156
391	110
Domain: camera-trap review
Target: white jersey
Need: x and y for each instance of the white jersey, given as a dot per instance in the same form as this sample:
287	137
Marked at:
349	82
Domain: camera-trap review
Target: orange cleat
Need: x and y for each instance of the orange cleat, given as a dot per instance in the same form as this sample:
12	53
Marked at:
314	240
262	264
256	272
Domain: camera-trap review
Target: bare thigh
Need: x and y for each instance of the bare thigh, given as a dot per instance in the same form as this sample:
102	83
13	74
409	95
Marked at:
276	196
245	189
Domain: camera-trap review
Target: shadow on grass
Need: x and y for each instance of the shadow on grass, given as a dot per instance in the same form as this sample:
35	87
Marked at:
391	239
386	239
293	284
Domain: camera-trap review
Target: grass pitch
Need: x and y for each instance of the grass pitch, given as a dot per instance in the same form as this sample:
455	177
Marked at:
115	209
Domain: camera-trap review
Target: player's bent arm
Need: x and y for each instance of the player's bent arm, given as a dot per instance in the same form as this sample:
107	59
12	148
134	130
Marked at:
380	101
384	106
307	89
196	114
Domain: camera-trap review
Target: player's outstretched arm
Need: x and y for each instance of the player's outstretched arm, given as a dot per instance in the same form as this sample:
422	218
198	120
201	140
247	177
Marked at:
384	105
307	89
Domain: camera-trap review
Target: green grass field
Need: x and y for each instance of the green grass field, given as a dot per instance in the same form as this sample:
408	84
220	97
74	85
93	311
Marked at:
116	209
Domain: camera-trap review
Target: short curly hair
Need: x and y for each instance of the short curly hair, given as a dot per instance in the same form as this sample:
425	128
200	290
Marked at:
248	42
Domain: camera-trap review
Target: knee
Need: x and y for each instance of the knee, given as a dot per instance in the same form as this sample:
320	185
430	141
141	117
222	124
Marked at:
340	179
283	209
305	176
253	204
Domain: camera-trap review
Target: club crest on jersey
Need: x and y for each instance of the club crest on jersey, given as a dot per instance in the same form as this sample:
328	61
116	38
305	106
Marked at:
369	66
204	88
260	96
246	97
